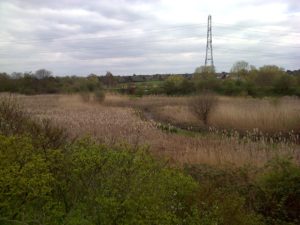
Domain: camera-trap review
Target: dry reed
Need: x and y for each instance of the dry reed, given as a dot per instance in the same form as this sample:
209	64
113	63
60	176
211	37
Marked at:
116	121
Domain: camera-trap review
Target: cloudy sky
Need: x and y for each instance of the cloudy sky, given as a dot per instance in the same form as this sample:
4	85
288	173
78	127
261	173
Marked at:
145	36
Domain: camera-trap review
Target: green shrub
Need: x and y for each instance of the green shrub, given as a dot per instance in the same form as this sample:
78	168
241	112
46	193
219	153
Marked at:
118	186
26	183
279	192
270	194
86	183
225	195
13	119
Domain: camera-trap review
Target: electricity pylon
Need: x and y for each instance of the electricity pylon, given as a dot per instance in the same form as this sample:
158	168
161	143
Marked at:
209	60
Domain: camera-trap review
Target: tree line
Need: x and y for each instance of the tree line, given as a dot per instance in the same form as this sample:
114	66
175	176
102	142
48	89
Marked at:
243	79
43	82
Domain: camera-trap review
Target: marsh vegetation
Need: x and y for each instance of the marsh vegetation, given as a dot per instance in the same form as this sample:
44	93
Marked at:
149	160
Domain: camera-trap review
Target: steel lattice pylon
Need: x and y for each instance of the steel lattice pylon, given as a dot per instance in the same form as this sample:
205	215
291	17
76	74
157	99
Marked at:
209	60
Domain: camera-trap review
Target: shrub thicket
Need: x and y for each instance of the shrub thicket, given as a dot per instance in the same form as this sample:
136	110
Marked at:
270	194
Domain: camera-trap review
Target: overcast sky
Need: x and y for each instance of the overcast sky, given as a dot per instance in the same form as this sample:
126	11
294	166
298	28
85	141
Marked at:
145	36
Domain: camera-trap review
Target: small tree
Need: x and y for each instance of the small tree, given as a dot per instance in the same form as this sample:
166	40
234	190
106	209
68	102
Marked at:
202	105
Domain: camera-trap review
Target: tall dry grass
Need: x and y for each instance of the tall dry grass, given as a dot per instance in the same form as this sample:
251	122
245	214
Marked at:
268	115
120	123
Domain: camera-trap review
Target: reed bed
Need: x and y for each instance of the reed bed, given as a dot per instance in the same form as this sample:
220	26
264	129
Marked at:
269	115
116	121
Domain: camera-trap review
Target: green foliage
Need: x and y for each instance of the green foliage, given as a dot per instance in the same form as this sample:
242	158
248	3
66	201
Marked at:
244	80
117	186
284	84
42	82
89	183
205	70
178	85
25	182
223	195
270	195
206	81
279	192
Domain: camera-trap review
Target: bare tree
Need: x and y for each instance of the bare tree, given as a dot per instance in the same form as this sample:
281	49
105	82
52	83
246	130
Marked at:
43	73
205	69
240	66
202	105
109	80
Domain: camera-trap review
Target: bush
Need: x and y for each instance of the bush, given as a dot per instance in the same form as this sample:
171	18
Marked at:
224	195
270	194
89	184
202	105
279	192
26	183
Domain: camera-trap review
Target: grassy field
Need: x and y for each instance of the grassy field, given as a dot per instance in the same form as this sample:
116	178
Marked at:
119	120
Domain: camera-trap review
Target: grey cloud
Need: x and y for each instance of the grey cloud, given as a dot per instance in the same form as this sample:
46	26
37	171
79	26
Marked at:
125	37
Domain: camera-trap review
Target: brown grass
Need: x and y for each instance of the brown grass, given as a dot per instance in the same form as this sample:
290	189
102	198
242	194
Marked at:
116	121
266	115
243	114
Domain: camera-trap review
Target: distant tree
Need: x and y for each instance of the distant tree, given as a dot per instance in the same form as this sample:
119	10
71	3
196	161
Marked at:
205	70
16	75
205	78
42	73
252	68
172	84
109	79
5	82
268	74
240	69
187	86
240	66
284	84
272	69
